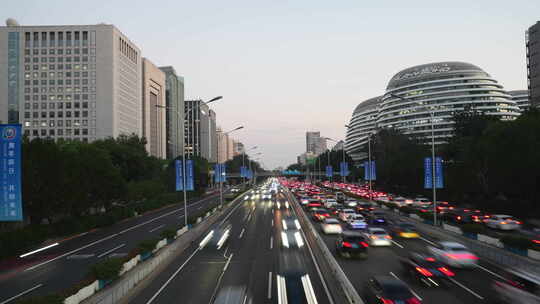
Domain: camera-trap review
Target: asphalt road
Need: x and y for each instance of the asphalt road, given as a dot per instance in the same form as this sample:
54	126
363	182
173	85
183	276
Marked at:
469	286
246	267
62	266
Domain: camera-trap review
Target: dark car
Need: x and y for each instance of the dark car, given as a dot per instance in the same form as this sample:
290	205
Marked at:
365	208
352	244
464	216
387	289
377	220
426	269
336	210
320	214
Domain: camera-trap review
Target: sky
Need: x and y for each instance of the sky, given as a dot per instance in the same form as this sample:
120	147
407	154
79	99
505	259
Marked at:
287	67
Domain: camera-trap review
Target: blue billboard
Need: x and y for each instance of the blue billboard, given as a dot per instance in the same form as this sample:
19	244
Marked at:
428	173
190	178
343	168
329	171
10	179
179	175
370	171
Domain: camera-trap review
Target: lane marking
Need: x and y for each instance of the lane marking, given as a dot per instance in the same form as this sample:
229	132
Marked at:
413	292
228	262
21	294
171	278
271	242
157	228
269	285
109	251
206	239
428	241
490	272
308	290
396	243
80	256
242	233
38	250
272	222
467	289
110	236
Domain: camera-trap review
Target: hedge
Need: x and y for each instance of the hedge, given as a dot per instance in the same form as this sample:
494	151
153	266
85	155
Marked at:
516	242
473	228
147	245
169	233
108	269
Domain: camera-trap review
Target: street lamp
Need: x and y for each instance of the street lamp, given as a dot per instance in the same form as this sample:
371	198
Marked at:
244	156
220	182
183	150
432	114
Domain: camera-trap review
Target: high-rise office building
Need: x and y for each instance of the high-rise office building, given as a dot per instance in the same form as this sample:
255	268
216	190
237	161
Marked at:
222	145
49	81
174	113
532	42
153	117
208	141
521	98
313	141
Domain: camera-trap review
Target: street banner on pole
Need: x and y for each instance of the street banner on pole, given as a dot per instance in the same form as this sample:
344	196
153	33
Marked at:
329	171
10	179
439	179
370	171
243	171
217	173
428	173
223	173
344	168
179	175
190	178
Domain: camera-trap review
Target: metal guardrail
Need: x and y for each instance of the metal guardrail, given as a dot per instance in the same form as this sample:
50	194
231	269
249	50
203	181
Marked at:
342	288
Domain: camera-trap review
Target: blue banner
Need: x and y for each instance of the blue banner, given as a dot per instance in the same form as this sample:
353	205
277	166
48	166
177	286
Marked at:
190	178
370	171
219	173
179	175
10	183
439	180
329	171
428	173
243	171
344	168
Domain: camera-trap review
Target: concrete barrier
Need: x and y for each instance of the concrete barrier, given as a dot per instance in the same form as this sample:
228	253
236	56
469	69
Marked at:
181	231
82	294
490	240
130	264
451	228
534	254
160	245
343	291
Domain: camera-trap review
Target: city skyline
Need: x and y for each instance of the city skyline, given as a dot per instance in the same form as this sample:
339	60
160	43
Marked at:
315	55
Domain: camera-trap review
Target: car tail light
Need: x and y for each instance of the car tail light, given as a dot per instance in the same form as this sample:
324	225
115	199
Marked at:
446	271
430	259
387	237
424	271
536	241
504	223
387	301
347	244
373	237
413	301
462	256
326	215
518	222
364	244
459	218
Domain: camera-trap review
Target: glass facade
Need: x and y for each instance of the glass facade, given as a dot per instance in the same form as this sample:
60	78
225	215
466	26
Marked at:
13	77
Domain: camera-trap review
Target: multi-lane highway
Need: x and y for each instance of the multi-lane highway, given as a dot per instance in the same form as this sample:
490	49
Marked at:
467	286
62	266
255	254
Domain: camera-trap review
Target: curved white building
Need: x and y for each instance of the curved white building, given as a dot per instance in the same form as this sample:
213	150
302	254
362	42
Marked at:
363	122
521	98
441	88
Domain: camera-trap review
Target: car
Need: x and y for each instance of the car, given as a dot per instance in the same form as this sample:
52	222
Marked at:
340	197
388	290
352	244
266	196
378	237
356	224
320	214
351	203
502	222
314	203
365	208
331	226
290	223
330	202
421	201
426	269
345	213
464	216
453	254
404	230
518	287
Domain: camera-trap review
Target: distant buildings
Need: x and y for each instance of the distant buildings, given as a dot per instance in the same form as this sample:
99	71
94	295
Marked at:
88	82
441	89
227	146
521	98
315	143
532	38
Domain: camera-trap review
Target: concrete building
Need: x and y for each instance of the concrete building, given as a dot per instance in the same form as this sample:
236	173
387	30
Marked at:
208	134
192	128
222	146
49	83
153	118
521	98
532	43
174	114
315	143
230	148
340	145
363	123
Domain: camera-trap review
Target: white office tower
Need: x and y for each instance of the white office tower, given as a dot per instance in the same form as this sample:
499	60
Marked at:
80	82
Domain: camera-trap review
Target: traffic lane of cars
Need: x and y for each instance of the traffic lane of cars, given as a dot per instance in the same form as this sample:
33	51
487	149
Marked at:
194	276
69	262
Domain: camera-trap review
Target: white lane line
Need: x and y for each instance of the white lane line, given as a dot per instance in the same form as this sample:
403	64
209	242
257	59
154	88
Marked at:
413	292
171	278
272	222
21	294
110	236
269	285
397	244
242	233
491	272
467	289
38	250
271	242
228	262
109	251
428	241
157	228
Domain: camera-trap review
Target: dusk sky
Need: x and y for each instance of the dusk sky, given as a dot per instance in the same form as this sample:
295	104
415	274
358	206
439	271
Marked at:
286	67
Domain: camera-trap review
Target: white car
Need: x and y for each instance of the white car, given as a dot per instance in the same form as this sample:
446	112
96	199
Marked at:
503	222
331	226
345	213
421	202
329	203
399	201
378	237
351	203
382	198
453	254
